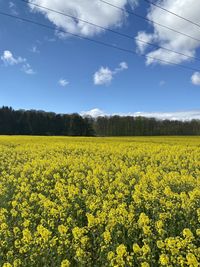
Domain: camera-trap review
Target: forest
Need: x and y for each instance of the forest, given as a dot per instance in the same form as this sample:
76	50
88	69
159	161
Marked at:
33	122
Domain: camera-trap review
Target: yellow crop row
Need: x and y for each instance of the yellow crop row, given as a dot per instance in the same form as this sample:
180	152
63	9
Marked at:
99	201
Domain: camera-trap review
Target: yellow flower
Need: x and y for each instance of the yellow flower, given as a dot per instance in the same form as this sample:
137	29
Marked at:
187	233
44	232
110	255
192	260
107	237
27	235
159	224
145	264
17	263
62	229
26	223
143	220
82	200
146	230
80	253
160	244
91	220
136	248
146	249
198	232
17	243
65	263
164	259
121	250
7	264
77	233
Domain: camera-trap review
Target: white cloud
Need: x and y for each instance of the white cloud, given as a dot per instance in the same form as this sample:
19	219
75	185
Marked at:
104	75
181	115
10	60
34	49
196	78
11	4
28	69
49	39
13	8
163	37
142	41
93	113
63	82
123	65
93	11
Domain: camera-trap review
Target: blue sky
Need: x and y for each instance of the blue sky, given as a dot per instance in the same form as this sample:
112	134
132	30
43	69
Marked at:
41	70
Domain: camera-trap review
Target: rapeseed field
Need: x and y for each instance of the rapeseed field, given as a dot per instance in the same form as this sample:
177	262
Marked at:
99	201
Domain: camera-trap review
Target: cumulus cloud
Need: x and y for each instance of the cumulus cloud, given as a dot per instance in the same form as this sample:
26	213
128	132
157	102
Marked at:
142	41
28	69
96	112
163	37
9	60
93	11
104	75
196	78
63	82
122	66
181	115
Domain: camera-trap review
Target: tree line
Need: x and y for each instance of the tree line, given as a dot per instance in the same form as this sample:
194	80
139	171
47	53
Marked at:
142	126
32	122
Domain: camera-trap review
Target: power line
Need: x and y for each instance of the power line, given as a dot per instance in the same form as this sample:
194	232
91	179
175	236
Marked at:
173	13
110	30
95	41
149	20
